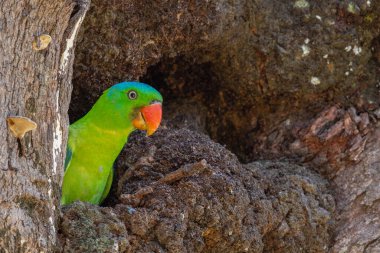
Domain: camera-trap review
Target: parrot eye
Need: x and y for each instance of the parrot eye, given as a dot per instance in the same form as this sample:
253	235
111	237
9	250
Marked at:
132	94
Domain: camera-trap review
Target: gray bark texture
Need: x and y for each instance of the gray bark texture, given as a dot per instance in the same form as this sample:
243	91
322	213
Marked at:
34	84
344	146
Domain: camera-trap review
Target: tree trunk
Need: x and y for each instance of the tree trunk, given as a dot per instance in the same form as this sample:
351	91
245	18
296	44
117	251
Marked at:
34	84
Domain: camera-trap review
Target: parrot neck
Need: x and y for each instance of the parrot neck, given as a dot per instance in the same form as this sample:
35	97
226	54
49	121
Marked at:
108	117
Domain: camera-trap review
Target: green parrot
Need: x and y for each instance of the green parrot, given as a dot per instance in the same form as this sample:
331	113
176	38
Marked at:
96	140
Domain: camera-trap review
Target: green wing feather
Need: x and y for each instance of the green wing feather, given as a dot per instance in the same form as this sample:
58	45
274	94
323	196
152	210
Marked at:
69	154
108	186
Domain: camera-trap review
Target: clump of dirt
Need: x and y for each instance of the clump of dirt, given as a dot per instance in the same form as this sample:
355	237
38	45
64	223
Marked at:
88	228
178	191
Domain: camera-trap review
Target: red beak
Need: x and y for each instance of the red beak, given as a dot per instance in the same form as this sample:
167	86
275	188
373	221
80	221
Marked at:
149	118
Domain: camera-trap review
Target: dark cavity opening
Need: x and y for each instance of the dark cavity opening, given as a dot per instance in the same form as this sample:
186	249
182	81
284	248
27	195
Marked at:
195	95
195	98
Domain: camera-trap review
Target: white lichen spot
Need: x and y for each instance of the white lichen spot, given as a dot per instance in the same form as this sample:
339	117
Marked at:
325	56
57	143
318	17
301	4
369	3
348	48
182	216
69	45
305	50
230	233
347	73
353	8
52	223
115	247
315	80
330	22
368	221
307	40
357	50
57	136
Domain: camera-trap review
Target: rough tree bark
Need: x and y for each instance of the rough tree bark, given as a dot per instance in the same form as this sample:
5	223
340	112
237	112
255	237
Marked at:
344	146
269	79
35	84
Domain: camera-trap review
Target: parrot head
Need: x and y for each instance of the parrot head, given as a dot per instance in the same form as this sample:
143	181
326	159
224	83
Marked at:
141	101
